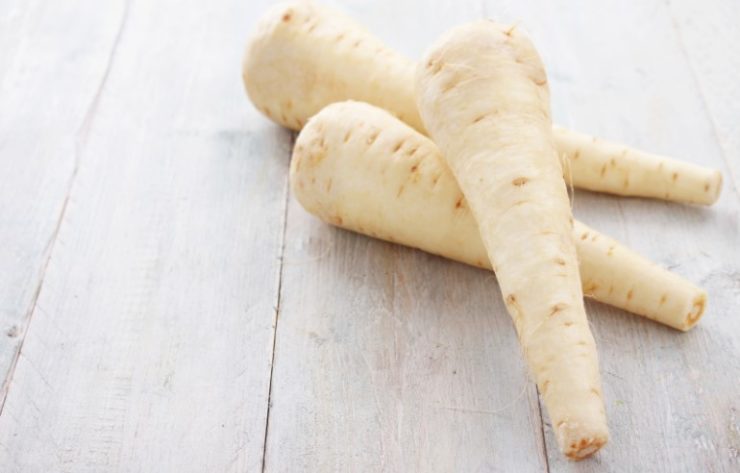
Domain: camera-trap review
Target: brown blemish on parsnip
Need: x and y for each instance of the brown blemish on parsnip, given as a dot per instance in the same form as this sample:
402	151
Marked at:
603	170
560	261
706	187
626	182
459	202
557	308
520	181
435	66
287	16
479	118
674	176
696	310
584	236
347	135
630	293
398	146
663	299
449	85
371	139
414	167
513	305
577	154
400	191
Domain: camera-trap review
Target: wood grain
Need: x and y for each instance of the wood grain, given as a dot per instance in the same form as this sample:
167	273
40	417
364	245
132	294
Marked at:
618	74
617	70
387	359
150	345
50	78
143	219
708	34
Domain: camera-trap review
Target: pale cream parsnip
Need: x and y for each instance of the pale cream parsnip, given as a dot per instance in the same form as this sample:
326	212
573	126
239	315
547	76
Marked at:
304	56
483	96
357	167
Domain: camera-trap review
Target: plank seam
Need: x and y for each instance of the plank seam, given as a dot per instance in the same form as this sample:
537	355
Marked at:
542	430
81	137
278	298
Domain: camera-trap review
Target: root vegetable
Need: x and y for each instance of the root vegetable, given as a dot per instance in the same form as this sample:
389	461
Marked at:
358	167
482	94
303	57
603	166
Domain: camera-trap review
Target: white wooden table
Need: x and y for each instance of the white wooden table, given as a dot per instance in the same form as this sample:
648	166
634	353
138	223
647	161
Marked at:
166	306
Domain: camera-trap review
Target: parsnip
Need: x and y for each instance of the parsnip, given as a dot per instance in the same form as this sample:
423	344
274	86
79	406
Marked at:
304	56
357	167
482	95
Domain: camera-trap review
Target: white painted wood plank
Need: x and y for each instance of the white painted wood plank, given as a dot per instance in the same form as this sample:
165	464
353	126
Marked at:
388	359
49	78
711	40
617	70
150	346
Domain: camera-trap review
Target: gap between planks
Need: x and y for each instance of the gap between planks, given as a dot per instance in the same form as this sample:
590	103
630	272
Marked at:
81	137
278	296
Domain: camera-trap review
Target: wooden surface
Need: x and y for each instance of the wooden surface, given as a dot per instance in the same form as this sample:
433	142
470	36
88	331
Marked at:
165	305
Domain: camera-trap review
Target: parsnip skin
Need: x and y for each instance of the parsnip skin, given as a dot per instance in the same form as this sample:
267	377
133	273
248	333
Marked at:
483	97
357	167
603	166
303	57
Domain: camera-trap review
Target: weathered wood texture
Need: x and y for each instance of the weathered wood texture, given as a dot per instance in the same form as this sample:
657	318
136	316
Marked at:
351	385
143	202
149	348
50	79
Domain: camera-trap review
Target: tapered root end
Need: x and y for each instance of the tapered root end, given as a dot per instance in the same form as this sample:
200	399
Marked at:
696	311
714	188
585	449
577	444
